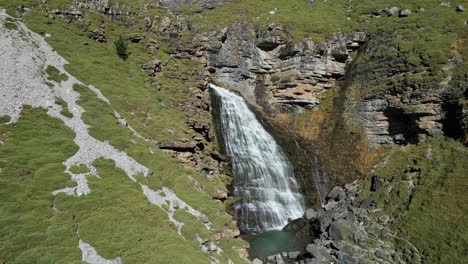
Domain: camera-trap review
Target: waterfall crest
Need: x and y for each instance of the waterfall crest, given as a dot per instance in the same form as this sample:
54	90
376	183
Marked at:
264	181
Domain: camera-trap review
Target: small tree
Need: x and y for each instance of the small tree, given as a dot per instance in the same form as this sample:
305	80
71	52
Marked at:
121	47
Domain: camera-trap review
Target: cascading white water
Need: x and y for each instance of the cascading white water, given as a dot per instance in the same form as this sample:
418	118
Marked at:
264	185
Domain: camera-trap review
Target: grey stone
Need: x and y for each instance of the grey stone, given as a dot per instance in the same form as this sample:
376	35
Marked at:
165	24
348	259
366	202
318	226
257	261
376	183
294	254
337	194
392	11
319	252
460	8
295	225
330	205
335	230
381	254
311	214
405	13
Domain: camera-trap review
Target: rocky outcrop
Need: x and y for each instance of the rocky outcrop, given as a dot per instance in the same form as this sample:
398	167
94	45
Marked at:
394	109
204	4
276	72
345	230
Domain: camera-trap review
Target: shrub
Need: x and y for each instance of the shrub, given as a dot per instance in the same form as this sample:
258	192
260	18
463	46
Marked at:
121	47
275	78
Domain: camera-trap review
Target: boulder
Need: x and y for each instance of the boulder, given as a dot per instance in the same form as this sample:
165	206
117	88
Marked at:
366	202
136	38
340	52
152	67
320	225
294	254
165	24
330	205
460	9
336	230
319	252
99	35
178	145
393	10
257	261
336	194
152	46
376	183
219	194
311	214
405	13
295	225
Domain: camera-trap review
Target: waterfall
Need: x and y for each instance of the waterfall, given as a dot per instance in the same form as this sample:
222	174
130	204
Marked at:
264	185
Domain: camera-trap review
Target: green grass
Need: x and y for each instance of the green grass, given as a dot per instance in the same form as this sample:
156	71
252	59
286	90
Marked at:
433	217
79	169
5	119
10	25
31	161
55	75
123	82
316	20
116	218
65	111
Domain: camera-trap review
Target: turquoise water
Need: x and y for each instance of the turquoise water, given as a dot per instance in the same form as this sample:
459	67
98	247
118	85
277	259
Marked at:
274	242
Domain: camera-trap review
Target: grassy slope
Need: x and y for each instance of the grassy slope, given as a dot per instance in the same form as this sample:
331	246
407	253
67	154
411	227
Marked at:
116	218
433	216
315	20
30	230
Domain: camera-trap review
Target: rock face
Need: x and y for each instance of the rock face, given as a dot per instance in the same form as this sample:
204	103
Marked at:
346	233
278	73
403	111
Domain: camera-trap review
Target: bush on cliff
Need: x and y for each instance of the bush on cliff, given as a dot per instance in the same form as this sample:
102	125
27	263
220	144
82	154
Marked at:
121	48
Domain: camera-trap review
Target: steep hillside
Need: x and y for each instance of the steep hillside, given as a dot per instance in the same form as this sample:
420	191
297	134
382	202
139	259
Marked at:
115	159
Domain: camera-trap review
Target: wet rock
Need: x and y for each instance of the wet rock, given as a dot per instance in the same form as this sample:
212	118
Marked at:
257	261
178	145
293	254
295	225
405	13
